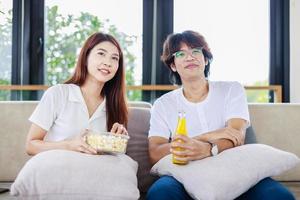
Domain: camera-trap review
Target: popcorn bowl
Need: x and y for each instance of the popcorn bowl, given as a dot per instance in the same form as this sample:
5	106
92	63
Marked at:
107	142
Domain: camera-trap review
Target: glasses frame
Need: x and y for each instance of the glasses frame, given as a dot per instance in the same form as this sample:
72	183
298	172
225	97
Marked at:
189	52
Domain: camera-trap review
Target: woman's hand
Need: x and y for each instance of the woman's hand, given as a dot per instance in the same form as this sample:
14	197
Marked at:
118	129
78	144
188	149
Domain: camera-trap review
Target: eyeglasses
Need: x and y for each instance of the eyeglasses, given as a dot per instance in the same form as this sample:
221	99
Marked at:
195	52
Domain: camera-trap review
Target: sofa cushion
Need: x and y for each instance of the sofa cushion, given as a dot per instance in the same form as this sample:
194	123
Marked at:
137	147
61	174
239	168
250	137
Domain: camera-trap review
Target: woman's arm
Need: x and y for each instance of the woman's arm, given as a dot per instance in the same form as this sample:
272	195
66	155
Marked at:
35	143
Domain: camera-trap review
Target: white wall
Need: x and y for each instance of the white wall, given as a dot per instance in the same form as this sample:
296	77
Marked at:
295	51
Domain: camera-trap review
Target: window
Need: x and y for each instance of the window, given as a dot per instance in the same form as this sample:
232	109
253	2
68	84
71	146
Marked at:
5	45
238	35
69	23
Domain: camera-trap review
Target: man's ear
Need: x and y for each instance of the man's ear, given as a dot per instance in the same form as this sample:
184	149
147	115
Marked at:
173	67
206	61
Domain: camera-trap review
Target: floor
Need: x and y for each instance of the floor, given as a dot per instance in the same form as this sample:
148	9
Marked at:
5	195
293	186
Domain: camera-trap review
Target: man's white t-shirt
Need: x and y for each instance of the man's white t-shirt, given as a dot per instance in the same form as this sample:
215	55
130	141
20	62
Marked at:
225	100
63	113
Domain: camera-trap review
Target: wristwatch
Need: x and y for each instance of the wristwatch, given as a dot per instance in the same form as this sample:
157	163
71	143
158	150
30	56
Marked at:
214	149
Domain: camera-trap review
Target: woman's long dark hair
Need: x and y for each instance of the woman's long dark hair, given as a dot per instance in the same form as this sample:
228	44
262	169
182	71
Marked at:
114	89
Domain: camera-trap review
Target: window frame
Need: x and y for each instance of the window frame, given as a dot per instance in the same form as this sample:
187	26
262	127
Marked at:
28	65
280	47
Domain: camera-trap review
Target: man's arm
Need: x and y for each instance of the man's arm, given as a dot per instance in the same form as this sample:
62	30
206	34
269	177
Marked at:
230	136
158	148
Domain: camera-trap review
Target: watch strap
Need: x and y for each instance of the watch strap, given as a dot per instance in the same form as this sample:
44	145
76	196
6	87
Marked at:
214	148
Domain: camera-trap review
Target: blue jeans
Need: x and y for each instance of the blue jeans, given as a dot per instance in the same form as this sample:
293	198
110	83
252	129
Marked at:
167	188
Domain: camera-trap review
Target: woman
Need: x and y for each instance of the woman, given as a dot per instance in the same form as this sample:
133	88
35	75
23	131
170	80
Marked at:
216	116
93	98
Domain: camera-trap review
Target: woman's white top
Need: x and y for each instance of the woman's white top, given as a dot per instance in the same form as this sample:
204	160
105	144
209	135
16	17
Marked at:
63	113
225	100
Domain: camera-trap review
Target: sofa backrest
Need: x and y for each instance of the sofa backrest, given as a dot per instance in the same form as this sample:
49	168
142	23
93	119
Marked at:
14	126
138	126
278	125
139	104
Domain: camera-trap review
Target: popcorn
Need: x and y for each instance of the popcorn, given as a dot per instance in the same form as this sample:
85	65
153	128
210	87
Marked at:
107	142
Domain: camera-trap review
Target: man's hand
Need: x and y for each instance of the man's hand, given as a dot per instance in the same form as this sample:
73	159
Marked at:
188	149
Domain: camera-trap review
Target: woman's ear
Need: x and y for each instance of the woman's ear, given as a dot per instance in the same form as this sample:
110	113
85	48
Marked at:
173	67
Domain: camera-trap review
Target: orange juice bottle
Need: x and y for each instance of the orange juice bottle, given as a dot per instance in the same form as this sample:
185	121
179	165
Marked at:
180	130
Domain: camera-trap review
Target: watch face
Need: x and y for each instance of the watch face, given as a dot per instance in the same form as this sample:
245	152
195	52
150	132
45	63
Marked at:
214	150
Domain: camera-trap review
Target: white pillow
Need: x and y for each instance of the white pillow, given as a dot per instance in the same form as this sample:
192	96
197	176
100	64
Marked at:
229	174
60	174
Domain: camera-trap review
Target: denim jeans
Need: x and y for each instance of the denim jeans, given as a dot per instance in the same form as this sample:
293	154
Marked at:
168	188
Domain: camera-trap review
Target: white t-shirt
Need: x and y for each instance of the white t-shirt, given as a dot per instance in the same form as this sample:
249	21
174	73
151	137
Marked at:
225	100
63	113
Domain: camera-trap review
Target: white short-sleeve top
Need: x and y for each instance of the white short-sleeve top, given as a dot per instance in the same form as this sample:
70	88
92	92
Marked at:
225	100
63	113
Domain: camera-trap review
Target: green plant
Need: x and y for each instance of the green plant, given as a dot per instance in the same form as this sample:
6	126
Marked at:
5	51
259	96
4	94
66	35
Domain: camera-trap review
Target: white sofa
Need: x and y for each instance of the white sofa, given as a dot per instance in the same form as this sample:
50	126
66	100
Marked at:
277	125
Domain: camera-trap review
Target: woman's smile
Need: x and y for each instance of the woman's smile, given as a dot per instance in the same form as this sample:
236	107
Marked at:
104	71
